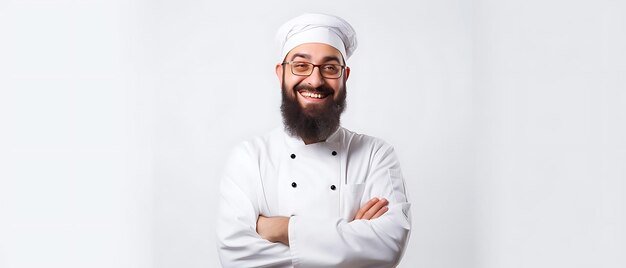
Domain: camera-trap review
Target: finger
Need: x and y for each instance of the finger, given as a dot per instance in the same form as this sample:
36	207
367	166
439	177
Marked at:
380	212
365	208
374	209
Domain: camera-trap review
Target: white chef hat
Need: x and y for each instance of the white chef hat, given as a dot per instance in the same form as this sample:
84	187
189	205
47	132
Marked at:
317	28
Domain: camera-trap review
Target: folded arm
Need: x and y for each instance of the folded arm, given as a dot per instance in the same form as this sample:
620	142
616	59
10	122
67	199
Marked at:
239	245
376	237
275	229
366	241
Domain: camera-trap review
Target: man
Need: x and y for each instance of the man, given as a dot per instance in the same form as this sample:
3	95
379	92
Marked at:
311	193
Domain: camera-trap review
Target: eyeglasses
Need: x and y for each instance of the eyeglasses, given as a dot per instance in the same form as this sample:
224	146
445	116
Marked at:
303	68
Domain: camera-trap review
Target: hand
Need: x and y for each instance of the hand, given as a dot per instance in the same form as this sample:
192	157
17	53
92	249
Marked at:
273	229
372	209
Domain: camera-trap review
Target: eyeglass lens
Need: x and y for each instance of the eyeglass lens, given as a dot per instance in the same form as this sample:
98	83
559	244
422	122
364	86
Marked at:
306	68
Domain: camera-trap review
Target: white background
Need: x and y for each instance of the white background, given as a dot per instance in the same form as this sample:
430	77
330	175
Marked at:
509	118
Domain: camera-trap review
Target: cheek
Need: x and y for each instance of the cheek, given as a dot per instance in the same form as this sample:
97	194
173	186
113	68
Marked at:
289	85
291	81
337	87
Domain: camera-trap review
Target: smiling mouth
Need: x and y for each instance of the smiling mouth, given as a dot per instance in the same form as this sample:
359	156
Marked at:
314	95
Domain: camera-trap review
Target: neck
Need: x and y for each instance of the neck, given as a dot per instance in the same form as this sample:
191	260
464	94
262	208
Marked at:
311	141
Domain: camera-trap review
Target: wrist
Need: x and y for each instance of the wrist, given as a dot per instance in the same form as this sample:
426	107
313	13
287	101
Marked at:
284	231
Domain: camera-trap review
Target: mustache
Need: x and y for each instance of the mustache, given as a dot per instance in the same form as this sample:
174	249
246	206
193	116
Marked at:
321	89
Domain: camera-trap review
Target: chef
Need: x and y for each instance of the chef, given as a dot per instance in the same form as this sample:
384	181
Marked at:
312	193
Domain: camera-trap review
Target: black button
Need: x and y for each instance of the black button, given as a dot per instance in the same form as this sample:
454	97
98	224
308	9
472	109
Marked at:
332	187
294	185
334	153
293	156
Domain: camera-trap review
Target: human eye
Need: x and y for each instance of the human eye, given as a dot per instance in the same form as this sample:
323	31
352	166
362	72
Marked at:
301	66
330	68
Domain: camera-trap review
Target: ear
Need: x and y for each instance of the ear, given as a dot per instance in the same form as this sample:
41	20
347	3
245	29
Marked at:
346	74
279	72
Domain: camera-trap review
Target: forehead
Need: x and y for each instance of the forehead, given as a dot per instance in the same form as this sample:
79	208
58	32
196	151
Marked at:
315	52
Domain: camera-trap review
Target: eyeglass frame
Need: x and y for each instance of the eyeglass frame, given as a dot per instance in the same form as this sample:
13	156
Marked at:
343	67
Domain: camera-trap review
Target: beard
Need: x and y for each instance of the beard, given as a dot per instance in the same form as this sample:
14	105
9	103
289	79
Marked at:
315	122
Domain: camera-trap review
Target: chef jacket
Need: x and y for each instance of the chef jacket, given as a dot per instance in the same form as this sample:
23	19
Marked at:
320	186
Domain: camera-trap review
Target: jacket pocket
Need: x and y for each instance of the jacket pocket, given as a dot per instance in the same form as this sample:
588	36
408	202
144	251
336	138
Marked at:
351	195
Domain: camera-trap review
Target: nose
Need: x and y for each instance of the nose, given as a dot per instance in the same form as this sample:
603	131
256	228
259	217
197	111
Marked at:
315	79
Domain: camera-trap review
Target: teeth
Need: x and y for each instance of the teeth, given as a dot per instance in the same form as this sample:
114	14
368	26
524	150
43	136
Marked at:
311	95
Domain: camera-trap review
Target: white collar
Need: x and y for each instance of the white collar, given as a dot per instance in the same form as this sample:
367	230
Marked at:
295	141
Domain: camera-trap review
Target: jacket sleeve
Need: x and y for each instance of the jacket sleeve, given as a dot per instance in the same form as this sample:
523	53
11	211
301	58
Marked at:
360	243
239	245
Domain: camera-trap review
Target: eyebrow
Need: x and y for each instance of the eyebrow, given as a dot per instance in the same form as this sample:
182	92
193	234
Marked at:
308	57
331	58
302	55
